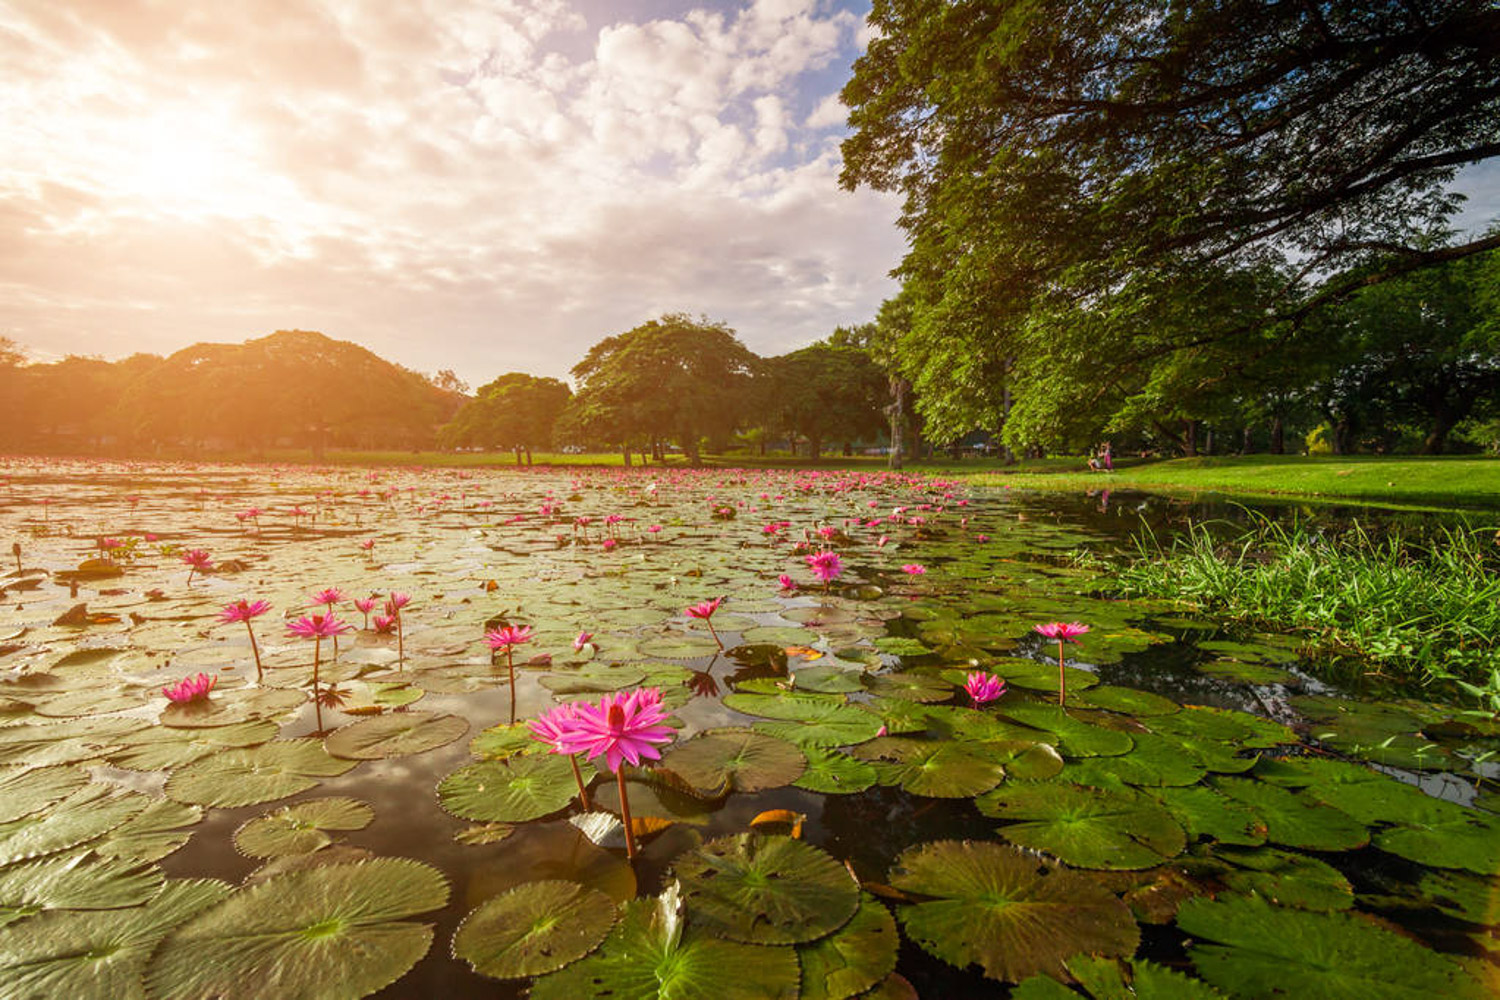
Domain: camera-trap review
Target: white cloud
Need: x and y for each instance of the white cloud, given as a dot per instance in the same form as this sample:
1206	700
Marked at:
484	185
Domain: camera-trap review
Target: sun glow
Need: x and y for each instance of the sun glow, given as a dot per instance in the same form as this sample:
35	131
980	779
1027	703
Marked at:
194	168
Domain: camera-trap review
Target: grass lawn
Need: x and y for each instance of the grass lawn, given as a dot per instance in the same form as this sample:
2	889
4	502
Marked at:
1444	481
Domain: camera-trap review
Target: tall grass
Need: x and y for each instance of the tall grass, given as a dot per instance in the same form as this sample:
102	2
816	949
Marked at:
1422	608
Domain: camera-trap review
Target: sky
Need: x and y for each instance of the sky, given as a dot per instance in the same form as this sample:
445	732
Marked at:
477	185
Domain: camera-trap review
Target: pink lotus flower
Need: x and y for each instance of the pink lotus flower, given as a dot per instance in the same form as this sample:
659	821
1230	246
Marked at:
609	544
826	566
551	729
1063	632
365	605
194	688
705	611
624	728
983	687
243	611
198	561
827	531
508	636
396	601
368	545
787	583
882	541
582	640
330	597
914	569
385	624
318	626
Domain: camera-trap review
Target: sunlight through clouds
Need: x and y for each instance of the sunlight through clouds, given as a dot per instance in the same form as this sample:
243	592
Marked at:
482	185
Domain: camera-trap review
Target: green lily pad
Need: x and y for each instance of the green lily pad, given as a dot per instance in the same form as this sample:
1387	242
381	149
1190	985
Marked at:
397	734
1074	737
765	890
1224	726
510	791
101	954
151	835
259	774
652	954
163	747
1262	948
533	929
834	773
90	812
72	882
1444	835
1460	895
1007	911
1153	762
502	742
594	679
853	958
829	679
910	686
24	792
746	760
336	930
683	647
1296	821
1239	672
1203	812
1127	701
1086	827
300	828
897	645
232	707
1286	877
944	769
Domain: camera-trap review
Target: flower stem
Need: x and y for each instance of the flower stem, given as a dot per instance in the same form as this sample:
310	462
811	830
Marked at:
583	793
401	644
1062	680
255	650
511	666
625	813
317	702
709	622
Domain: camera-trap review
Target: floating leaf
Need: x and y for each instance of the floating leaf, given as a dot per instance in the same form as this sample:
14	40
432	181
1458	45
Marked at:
230	708
749	761
72	882
152	835
1445	835
1074	737
336	930
1296	821
593	679
1006	910
501	742
260	774
484	833
765	890
910	687
1287	877
90	812
163	747
834	773
509	791
652	955
1262	948
1153	762
853	958
1127	701
1086	827
25	792
945	769
535	928
1203	812
397	734
300	828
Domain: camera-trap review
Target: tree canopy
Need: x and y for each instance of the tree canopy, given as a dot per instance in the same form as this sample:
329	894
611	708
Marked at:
515	411
1101	197
824	392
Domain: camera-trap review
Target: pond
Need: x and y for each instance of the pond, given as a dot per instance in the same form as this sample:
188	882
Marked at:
834	815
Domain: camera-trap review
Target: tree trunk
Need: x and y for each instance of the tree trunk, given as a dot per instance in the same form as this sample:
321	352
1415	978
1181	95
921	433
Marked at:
625	450
1437	436
528	456
814	447
517	450
1246	445
1190	438
1208	441
848	448
1278	435
690	449
897	414
762	446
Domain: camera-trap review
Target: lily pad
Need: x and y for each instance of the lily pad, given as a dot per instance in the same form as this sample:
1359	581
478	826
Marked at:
535	928
746	760
511	791
97	955
1086	827
1296	821
1203	812
652	954
834	773
24	792
1007	911
910	686
1287	877
766	890
336	930
155	833
397	734
260	774
944	769
162	747
1075	738
853	958
90	812
73	882
1262	948
300	828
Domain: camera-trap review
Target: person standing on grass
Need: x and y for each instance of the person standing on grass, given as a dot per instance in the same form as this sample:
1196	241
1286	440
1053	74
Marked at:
1107	458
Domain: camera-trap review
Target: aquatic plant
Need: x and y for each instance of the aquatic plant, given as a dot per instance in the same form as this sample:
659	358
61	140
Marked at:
983	687
704	611
318	628
244	611
1063	632
394	603
195	688
826	566
508	637
197	561
552	728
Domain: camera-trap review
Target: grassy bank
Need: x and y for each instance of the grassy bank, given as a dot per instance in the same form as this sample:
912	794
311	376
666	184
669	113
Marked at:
1423	610
1460	481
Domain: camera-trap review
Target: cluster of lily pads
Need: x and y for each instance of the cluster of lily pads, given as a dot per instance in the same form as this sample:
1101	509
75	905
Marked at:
834	786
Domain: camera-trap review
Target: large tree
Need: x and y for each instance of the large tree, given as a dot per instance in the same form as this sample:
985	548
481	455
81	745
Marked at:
824	392
1066	165
670	379
515	411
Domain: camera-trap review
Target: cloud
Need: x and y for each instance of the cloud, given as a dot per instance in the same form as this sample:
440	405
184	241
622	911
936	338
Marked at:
484	185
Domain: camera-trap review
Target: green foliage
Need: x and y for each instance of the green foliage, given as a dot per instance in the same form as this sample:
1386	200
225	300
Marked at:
824	393
516	411
670	379
1429	610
